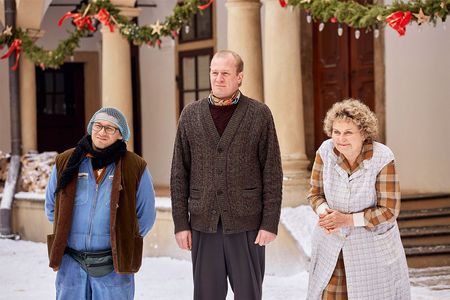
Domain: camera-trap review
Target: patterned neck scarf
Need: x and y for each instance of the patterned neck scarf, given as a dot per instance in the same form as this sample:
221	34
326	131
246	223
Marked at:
234	99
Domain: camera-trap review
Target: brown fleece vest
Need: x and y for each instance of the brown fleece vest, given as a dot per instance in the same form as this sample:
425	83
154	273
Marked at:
126	243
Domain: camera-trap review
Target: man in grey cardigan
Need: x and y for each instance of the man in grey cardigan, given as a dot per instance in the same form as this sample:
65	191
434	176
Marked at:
226	184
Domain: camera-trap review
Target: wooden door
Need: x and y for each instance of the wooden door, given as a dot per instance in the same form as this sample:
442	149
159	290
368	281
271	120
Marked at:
60	107
342	68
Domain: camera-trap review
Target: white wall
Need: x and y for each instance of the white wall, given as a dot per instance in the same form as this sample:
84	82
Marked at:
158	96
418	106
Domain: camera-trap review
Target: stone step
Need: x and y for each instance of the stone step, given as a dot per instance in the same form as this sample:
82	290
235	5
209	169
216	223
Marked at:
426	250
437	278
409	204
428	256
424	222
412	197
415	241
424	213
429	272
424	231
427	261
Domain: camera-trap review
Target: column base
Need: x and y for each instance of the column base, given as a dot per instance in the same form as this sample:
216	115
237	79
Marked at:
295	182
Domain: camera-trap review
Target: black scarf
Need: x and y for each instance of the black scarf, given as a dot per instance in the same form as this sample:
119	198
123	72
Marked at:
101	158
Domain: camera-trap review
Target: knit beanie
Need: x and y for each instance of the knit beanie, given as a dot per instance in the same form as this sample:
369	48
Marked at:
114	116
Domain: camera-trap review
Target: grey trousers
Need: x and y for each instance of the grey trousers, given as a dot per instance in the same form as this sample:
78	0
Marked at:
216	256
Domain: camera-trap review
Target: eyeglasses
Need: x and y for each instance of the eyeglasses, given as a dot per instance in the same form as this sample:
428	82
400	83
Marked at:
97	127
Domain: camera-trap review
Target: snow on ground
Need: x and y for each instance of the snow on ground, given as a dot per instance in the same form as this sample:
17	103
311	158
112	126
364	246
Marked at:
300	222
25	275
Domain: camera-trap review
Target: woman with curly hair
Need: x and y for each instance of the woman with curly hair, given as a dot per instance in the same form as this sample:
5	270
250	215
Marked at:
356	249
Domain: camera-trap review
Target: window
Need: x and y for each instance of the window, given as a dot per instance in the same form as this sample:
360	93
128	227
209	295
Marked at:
199	28
55	91
60	107
195	49
194	70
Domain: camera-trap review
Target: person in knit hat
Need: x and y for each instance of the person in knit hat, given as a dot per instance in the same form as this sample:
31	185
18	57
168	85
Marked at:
113	116
101	201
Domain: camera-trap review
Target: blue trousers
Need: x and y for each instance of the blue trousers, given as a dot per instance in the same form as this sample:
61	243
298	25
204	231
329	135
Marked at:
73	283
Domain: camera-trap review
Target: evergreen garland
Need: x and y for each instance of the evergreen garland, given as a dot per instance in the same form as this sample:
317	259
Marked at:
370	16
18	39
354	14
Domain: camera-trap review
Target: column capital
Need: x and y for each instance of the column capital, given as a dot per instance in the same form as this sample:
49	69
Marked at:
29	14
243	3
35	34
130	12
276	7
127	3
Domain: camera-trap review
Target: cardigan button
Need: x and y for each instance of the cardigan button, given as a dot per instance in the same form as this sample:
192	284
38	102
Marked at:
220	150
213	211
219	192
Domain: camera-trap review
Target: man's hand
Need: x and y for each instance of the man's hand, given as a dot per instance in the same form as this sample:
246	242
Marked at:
184	239
264	237
332	220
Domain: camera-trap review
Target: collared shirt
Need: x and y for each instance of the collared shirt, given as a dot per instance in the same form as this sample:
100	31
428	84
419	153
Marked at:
387	189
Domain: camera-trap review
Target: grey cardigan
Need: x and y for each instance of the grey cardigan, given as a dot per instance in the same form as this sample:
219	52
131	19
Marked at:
236	177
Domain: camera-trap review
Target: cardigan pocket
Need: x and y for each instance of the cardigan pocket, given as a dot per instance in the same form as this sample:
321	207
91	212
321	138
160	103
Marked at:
250	203
195	204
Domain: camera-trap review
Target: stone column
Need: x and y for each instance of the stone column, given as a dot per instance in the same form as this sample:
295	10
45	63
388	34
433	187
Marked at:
116	72
29	16
244	37
28	111
283	94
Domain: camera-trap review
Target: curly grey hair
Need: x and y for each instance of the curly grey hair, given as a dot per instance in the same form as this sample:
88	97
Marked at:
357	112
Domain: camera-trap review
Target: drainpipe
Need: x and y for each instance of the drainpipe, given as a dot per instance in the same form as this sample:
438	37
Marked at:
14	165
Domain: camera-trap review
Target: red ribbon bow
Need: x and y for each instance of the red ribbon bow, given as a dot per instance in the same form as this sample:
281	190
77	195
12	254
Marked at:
80	21
205	6
16	45
282	3
398	21
103	16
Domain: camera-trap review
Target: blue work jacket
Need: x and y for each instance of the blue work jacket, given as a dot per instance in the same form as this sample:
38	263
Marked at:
90	230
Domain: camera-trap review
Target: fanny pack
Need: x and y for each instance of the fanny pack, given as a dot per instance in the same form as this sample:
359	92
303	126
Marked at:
96	264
